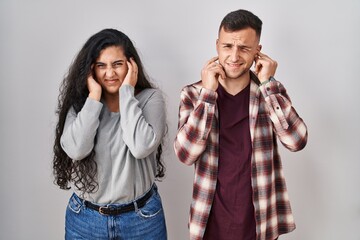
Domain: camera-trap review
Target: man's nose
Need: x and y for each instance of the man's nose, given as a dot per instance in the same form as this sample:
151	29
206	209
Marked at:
234	56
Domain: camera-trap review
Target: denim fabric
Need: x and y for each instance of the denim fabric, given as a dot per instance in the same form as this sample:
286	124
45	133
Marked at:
146	223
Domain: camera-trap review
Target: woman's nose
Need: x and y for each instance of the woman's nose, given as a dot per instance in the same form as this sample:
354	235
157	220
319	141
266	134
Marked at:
109	72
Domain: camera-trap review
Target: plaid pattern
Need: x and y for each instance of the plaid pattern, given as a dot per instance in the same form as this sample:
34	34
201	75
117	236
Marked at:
272	117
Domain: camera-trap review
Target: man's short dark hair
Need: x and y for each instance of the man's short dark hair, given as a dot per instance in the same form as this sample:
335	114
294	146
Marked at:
241	19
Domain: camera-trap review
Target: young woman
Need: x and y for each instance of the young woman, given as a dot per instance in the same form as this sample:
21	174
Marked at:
108	143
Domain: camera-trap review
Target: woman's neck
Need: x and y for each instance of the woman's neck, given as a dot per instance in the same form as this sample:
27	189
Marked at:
112	102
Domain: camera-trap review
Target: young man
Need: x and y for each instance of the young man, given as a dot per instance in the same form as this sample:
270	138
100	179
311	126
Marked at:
229	123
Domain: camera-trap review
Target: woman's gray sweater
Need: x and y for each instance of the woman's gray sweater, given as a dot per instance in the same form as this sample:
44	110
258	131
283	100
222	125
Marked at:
126	143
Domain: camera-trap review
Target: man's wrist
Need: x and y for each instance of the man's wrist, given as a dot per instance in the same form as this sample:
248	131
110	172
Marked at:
271	79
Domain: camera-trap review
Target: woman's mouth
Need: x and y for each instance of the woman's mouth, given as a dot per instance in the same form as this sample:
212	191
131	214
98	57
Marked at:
110	81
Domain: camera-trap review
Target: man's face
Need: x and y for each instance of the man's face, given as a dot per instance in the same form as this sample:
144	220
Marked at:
110	69
237	51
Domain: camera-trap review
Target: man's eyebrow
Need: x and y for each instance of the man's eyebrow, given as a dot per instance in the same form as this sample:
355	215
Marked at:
224	43
238	45
244	46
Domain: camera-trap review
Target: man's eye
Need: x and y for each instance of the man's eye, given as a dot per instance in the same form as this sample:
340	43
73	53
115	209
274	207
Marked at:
101	66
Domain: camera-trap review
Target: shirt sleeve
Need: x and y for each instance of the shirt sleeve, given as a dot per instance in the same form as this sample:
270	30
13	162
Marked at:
80	130
196	113
288	125
143	128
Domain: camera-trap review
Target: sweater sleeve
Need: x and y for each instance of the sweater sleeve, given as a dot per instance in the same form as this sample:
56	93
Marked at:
80	129
288	125
143	128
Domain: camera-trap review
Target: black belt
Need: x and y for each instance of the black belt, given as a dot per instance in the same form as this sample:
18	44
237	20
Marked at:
114	210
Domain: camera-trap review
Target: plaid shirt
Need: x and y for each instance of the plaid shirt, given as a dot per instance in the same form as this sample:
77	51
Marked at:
271	116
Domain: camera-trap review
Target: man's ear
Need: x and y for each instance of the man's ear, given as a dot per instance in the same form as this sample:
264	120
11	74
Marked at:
259	47
217	45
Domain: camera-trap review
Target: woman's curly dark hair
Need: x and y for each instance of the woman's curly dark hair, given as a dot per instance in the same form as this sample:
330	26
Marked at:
73	93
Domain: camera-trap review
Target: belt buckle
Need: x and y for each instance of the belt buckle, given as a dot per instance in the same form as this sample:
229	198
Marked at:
102	209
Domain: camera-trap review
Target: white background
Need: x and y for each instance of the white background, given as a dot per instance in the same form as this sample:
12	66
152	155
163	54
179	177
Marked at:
316	44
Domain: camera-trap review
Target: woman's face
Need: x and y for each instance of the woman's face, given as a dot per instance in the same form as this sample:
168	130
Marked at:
110	69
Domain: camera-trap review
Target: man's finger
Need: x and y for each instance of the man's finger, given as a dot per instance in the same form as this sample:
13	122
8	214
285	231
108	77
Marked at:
212	60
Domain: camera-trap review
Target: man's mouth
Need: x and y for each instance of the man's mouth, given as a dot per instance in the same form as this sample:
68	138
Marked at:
234	65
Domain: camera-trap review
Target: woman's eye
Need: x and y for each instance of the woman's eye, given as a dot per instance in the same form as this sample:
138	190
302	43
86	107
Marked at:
117	64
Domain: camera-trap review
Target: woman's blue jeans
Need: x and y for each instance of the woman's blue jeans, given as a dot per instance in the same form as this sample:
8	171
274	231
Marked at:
146	223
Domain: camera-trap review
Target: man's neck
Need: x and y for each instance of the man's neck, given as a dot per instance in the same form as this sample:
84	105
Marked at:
235	85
